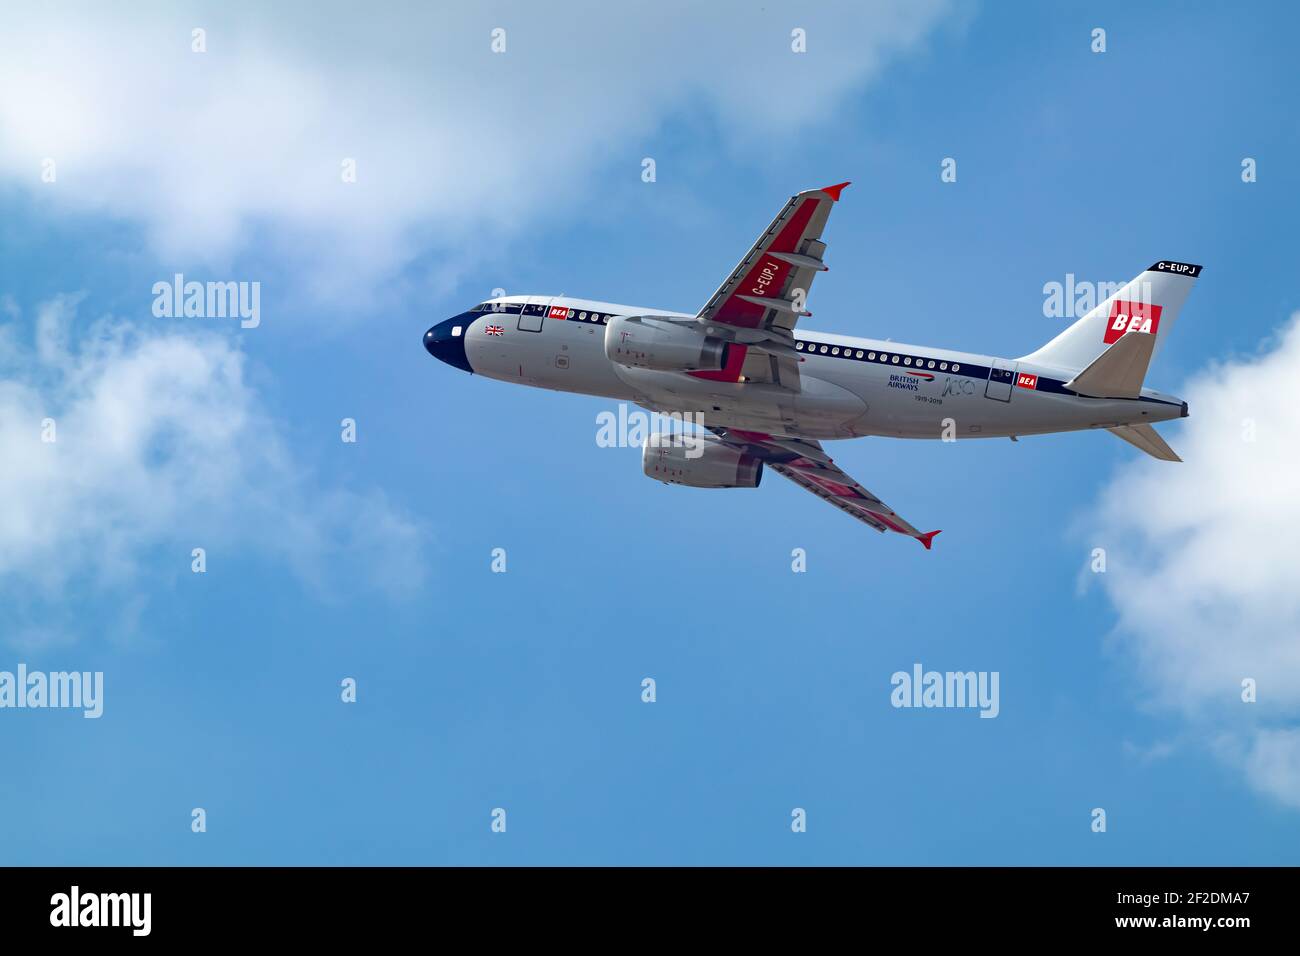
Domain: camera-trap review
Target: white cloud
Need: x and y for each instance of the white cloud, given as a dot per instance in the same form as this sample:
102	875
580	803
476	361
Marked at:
1204	566
454	144
160	445
1273	763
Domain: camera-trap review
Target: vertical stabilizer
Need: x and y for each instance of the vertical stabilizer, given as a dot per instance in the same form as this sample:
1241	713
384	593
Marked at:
1150	303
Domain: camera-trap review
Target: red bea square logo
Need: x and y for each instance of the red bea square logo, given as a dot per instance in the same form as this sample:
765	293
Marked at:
1131	317
1027	381
559	312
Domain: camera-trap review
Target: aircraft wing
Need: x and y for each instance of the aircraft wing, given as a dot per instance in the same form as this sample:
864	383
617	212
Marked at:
806	464
769	287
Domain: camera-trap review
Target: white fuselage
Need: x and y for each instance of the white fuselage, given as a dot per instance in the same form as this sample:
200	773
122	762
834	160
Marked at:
848	386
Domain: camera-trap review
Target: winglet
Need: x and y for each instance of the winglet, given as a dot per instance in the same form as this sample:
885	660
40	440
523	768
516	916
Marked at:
834	191
926	538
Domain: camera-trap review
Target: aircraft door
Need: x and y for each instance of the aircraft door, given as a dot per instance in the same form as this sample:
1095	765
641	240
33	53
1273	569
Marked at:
1001	377
533	316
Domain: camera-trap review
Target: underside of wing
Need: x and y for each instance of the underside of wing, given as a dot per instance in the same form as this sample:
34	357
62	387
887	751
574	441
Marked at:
806	464
760	302
769	288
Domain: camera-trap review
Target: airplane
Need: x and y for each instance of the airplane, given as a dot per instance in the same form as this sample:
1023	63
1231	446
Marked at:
768	394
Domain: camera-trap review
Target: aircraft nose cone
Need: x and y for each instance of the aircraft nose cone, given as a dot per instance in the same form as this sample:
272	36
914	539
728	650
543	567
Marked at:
446	342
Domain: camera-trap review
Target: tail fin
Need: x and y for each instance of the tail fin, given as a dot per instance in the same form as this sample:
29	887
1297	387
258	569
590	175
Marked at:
1150	303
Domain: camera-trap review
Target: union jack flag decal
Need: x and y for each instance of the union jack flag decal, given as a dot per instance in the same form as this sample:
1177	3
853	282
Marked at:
495	330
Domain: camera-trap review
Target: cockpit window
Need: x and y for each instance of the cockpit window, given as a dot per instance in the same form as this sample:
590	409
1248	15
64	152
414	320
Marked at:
502	308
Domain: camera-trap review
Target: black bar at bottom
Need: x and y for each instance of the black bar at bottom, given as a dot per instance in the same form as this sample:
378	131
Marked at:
375	904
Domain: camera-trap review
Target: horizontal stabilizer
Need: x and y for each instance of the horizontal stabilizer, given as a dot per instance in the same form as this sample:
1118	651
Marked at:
1118	372
1146	438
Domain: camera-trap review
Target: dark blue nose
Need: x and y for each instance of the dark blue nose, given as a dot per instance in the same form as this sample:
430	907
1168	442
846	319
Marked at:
446	341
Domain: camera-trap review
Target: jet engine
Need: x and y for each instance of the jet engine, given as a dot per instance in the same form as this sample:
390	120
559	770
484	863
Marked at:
645	341
698	460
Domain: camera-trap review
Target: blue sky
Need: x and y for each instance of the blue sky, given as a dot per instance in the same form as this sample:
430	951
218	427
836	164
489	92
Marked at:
522	690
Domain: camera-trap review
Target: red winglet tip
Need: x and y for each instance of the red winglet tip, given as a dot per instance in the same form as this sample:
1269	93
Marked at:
834	191
925	539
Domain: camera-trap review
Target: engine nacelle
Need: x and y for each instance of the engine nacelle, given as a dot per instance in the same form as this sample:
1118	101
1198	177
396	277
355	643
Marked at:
700	461
644	341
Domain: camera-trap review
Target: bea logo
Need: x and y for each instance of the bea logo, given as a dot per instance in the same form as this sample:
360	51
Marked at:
1025	380
1131	317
